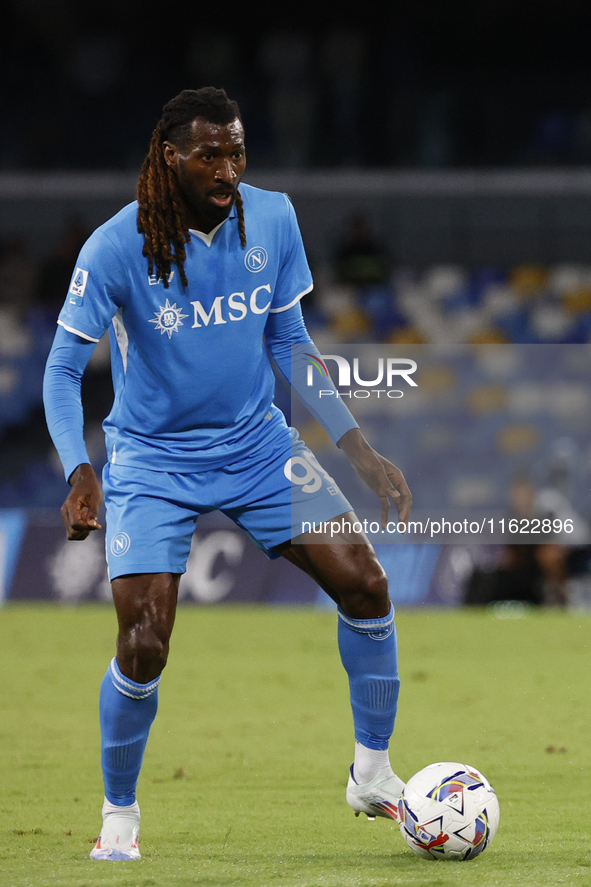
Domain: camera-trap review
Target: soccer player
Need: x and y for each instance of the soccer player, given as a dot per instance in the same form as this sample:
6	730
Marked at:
196	281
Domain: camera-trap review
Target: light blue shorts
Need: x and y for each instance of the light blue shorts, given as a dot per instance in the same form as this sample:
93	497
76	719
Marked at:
151	515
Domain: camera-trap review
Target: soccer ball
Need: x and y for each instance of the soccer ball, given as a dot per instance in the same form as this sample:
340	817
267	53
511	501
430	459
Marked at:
448	811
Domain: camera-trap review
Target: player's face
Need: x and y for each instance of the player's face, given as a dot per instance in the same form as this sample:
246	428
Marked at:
209	168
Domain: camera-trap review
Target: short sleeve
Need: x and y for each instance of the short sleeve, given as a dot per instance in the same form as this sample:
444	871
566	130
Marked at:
294	279
97	288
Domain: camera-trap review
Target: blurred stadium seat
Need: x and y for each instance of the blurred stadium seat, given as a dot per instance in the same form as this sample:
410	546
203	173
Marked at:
424	286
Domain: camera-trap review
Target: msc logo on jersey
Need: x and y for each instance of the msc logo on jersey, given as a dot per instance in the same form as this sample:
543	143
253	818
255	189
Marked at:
168	319
78	286
120	544
236	307
256	258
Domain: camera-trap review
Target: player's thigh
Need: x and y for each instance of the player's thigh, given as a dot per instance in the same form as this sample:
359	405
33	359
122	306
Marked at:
343	562
146	608
283	491
150	521
146	603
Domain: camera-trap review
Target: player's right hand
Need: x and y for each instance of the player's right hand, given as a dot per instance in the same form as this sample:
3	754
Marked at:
80	510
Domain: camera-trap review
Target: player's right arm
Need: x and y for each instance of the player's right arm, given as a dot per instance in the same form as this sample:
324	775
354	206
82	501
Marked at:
97	291
63	409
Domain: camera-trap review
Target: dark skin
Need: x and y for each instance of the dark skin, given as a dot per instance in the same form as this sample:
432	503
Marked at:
209	168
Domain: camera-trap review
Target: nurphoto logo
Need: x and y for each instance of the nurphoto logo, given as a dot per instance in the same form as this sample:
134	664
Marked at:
385	372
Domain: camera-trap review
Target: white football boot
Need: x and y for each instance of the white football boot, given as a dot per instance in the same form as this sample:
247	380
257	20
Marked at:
120	833
380	797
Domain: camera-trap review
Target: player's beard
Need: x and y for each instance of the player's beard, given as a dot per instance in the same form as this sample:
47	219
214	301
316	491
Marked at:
198	201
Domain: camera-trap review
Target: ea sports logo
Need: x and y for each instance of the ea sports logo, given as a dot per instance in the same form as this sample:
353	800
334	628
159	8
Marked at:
120	544
256	258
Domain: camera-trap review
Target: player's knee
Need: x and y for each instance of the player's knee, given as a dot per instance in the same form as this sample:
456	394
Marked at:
142	653
367	597
374	586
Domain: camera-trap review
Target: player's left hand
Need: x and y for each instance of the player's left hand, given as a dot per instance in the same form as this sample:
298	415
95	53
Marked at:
382	476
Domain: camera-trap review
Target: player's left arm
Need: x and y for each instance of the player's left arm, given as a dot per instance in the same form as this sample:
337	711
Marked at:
284	330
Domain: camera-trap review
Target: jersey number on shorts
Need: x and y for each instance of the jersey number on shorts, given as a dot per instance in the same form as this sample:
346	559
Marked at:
311	480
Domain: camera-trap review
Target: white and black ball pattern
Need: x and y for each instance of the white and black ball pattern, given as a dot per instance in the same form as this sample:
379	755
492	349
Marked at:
448	811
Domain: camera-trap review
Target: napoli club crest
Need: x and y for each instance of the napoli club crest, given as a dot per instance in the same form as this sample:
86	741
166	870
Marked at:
256	258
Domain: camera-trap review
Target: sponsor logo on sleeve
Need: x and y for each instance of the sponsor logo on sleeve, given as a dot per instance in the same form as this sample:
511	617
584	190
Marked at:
77	287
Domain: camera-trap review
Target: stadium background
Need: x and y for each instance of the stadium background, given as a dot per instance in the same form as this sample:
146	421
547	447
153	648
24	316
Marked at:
439	158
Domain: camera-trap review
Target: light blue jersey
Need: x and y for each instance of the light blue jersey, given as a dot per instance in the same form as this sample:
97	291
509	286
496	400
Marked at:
193	383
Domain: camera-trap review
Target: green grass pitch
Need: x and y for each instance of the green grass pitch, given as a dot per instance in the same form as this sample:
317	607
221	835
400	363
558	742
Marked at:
244	776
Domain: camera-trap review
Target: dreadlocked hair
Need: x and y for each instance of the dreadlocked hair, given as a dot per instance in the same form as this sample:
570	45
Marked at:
160	213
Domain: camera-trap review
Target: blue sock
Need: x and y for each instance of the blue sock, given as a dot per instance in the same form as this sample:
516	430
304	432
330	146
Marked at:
126	711
369	654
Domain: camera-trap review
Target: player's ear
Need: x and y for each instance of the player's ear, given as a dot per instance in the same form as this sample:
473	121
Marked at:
170	152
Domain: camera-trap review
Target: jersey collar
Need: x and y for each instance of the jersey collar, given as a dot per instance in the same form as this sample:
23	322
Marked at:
208	238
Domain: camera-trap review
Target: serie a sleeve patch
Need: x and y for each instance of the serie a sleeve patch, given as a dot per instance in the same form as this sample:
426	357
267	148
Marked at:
77	287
